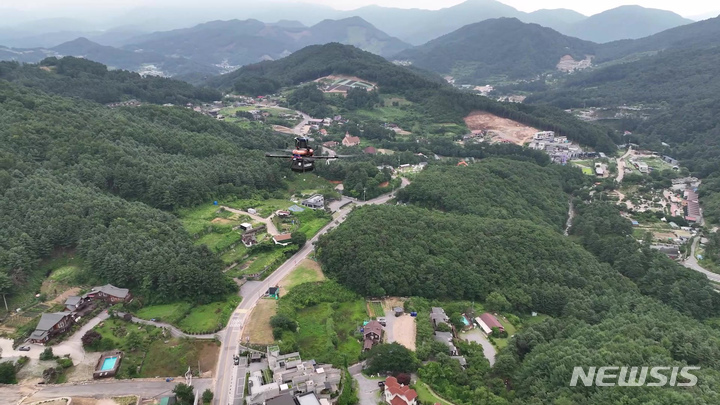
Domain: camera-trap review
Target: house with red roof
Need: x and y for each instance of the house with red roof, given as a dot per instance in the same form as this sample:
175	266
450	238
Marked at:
370	150
399	394
487	321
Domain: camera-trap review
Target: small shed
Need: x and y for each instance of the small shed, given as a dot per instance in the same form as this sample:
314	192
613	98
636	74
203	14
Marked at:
245	226
398	311
274	292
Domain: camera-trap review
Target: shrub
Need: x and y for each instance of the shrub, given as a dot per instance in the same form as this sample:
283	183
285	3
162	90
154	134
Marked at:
47	354
65	362
90	338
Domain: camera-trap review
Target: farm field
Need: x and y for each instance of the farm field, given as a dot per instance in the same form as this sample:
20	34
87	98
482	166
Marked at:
314	339
199	319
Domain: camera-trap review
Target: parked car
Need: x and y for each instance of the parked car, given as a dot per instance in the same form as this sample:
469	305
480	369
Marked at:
24	348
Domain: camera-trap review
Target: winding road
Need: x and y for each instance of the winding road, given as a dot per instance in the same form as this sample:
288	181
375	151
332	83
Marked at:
226	376
692	263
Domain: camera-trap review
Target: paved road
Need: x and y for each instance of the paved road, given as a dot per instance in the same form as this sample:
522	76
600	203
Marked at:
692	263
297	129
116	388
226	375
621	165
367	390
476	335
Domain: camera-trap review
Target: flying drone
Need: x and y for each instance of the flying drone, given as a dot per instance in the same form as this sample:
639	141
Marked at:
302	157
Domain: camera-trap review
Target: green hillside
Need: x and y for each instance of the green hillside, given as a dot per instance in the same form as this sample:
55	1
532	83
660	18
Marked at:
75	174
493	188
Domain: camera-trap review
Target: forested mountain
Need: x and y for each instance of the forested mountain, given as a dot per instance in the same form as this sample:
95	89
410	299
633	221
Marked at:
236	42
76	174
625	22
494	188
434	98
74	77
700	34
504	47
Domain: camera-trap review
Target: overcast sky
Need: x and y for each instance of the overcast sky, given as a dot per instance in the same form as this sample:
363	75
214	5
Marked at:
684	8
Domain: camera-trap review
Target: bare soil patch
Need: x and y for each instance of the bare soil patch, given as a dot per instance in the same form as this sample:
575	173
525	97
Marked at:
284	130
404	331
500	129
258	327
60	299
391	302
221	221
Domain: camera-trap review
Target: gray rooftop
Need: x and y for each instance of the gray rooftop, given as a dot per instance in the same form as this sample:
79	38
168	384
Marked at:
72	300
47	321
307	399
110	289
286	399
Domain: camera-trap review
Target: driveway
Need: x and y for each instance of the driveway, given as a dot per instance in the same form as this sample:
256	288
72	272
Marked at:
476	335
367	389
72	345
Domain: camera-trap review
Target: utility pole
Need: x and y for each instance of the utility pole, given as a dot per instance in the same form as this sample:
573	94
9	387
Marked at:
364	190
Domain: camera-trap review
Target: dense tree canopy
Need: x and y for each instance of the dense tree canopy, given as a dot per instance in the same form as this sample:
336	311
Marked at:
77	174
493	188
77	77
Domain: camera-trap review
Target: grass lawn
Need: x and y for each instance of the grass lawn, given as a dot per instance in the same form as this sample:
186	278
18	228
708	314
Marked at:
534	320
169	313
209	318
174	358
509	328
220	242
314	340
261	260
234	255
192	319
308	183
424	394
308	271
313	226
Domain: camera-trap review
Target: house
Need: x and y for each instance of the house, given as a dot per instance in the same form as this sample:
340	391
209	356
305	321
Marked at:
283	214
245	226
487	321
372	334
51	325
398	394
314	202
670	251
110	293
75	303
446	338
283	239
370	150
350	140
292	374
693	205
438	316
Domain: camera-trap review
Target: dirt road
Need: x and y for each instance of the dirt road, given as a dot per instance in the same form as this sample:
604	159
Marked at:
621	165
272	230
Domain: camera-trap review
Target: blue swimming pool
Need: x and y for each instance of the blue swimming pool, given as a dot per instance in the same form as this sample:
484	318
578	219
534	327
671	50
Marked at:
108	363
465	321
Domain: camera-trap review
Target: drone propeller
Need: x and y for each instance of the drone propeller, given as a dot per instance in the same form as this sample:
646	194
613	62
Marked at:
270	155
